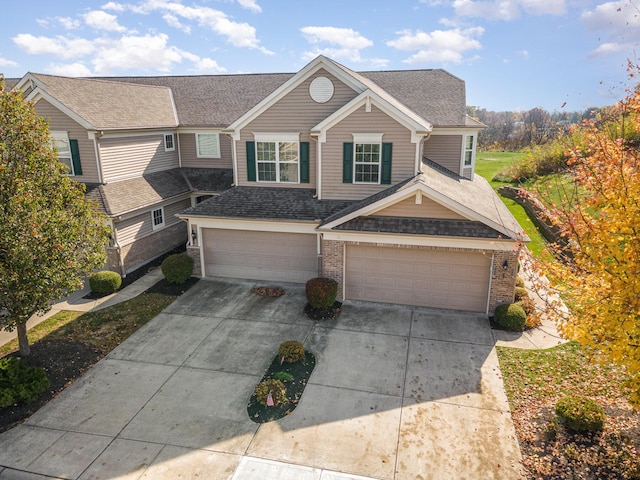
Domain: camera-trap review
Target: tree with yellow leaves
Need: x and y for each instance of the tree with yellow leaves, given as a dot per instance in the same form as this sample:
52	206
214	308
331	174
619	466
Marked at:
598	275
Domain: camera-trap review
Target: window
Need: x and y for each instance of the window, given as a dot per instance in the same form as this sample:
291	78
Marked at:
208	145
60	140
169	145
277	162
157	218
367	163
468	150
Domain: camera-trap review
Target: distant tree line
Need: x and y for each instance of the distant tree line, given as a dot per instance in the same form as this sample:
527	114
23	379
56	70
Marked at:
517	130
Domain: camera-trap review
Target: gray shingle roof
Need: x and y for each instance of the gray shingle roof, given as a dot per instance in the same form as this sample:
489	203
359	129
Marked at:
267	204
208	179
420	226
112	105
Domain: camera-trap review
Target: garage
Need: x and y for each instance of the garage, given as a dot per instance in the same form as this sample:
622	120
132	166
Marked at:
270	256
410	276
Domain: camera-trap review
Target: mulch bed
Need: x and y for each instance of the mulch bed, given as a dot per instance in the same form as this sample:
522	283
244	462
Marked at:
268	291
301	371
323	313
63	361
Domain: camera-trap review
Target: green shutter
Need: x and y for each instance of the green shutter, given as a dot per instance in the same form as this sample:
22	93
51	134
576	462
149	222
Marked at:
347	162
75	157
304	162
385	174
251	161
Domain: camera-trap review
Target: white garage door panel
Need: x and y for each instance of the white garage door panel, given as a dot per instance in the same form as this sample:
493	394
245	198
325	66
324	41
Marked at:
418	277
274	256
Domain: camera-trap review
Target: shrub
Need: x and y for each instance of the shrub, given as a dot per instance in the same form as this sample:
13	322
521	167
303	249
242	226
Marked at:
20	383
105	281
519	281
274	387
521	293
177	268
283	376
292	351
510	316
580	414
321	292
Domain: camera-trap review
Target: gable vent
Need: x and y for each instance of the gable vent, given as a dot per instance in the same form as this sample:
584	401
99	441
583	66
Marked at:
321	89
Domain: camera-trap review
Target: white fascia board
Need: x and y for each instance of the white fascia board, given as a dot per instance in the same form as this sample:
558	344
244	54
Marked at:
421	240
38	93
173	106
28	78
136	133
455	131
219	130
254	225
149	207
312	67
418	128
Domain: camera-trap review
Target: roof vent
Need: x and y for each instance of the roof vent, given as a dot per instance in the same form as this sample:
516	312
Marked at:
321	89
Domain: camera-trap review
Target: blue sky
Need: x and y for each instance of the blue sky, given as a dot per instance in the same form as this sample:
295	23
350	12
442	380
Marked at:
513	54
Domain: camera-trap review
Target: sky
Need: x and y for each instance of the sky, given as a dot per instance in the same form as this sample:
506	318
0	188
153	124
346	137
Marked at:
560	55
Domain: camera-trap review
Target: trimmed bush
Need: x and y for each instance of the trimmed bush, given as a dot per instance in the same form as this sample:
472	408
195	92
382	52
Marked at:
510	316
580	414
20	383
283	376
521	293
519	281
105	281
274	387
292	351
177	268
321	292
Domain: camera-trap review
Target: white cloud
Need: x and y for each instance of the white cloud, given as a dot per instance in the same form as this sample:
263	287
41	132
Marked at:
59	46
439	45
207	65
175	22
250	5
103	21
347	41
619	21
69	69
7	63
508	9
115	6
523	53
68	23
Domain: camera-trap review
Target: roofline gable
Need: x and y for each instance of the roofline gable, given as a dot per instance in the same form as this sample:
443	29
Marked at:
418	126
312	67
39	93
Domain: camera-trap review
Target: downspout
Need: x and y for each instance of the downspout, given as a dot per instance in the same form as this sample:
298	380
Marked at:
493	254
96	136
114	239
178	146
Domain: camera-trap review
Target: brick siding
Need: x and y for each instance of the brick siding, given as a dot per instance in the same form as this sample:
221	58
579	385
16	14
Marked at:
503	281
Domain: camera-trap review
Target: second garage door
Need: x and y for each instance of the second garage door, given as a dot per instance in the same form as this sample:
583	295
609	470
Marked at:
431	278
271	256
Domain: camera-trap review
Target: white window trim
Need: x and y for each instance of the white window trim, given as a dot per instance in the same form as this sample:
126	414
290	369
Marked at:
215	155
173	142
368	139
277	138
153	223
465	150
59	135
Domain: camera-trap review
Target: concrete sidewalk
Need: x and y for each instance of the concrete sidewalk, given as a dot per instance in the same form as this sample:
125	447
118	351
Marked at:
76	302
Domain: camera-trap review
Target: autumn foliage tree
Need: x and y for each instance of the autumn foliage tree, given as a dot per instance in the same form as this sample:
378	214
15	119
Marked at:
598	276
50	237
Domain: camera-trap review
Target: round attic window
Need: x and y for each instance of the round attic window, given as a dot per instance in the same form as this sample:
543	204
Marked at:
321	89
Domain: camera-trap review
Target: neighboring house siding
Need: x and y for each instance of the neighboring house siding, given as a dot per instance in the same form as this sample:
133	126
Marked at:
296	112
403	157
139	226
427	209
190	158
58	121
127	157
445	150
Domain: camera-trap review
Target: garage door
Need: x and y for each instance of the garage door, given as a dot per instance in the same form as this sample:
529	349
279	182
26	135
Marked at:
428	278
285	257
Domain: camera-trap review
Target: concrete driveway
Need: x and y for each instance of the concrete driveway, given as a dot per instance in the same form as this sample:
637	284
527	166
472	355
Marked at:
397	393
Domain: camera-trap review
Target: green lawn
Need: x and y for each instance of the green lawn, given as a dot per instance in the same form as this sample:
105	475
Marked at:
490	163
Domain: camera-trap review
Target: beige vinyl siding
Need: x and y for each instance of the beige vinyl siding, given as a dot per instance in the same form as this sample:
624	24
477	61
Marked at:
139	226
61	122
445	150
296	112
428	209
403	160
127	157
190	158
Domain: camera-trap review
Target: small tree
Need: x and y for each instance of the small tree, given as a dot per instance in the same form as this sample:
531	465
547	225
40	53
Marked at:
50	237
598	275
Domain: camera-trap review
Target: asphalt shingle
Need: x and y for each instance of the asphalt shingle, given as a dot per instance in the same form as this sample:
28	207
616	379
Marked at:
420	226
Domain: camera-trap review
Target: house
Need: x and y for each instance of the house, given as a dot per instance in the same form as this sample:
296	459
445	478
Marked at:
367	178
